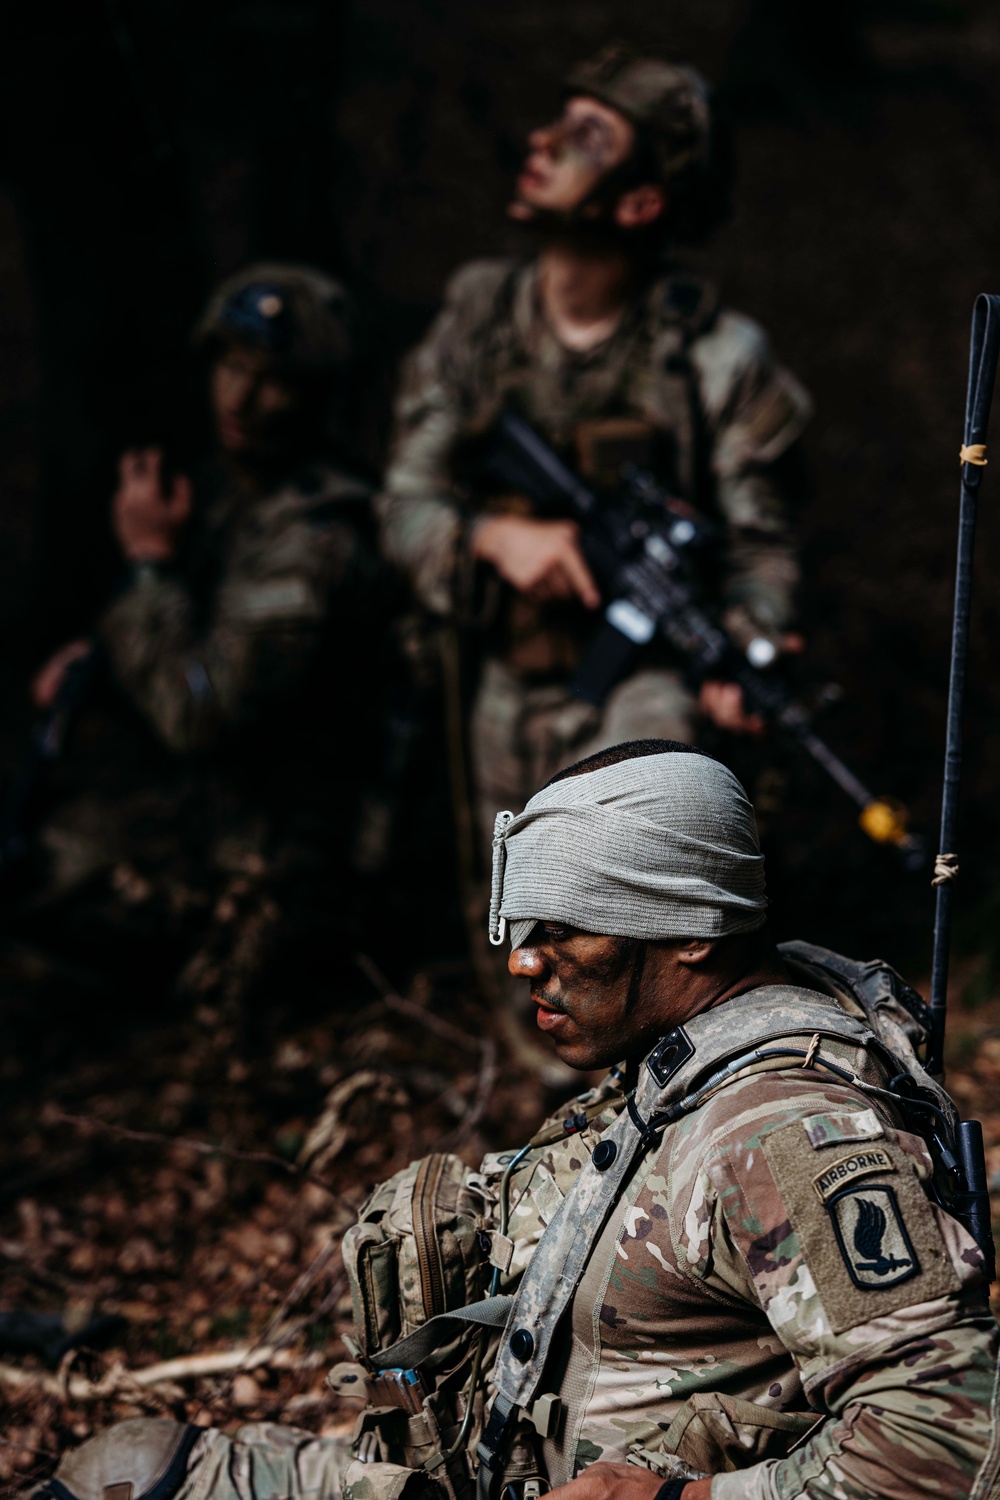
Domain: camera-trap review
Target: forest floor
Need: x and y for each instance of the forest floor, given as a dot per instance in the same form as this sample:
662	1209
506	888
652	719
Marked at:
195	1186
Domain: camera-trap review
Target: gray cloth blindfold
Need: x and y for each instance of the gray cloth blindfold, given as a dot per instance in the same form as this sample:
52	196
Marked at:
662	846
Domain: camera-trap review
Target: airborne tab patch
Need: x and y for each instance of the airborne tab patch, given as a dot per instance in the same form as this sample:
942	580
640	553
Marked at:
849	1168
872	1237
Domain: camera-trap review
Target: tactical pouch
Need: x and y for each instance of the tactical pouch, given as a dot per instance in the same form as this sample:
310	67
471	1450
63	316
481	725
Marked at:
378	1481
414	1254
716	1433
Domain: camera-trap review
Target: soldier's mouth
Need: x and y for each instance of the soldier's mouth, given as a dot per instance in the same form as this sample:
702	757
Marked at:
529	178
549	1018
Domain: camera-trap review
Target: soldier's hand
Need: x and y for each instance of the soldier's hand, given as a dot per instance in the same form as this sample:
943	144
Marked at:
623	1482
539	558
722	702
47	682
146	516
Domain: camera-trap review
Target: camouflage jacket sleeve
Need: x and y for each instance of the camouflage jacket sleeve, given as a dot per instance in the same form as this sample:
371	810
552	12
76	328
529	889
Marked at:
754	410
821	1220
269	613
421	524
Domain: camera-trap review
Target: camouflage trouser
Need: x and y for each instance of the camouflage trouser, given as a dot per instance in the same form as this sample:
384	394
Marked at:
265	1461
521	733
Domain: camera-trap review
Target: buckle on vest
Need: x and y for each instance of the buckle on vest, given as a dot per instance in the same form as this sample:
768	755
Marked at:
669	1055
495	1434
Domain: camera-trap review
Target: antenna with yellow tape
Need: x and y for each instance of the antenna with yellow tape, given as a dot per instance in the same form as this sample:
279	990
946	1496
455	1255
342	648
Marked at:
984	348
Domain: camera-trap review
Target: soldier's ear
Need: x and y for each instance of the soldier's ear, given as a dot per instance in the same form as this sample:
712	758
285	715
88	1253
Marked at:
641	206
694	950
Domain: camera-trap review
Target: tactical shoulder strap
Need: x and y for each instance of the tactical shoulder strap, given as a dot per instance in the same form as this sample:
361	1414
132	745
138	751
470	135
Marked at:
773	1026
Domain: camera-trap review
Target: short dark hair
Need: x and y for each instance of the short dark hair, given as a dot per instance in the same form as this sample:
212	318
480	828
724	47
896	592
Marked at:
628	750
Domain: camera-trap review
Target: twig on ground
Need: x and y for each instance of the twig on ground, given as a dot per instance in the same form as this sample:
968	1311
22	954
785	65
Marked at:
308	1278
203	1148
295	1294
479	1103
485	1046
331	1132
395	1002
122	1382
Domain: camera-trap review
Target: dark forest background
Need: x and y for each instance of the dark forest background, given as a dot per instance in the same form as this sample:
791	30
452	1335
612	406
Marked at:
148	149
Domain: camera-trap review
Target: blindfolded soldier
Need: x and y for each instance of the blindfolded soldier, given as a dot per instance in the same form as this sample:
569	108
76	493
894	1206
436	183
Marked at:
725	1273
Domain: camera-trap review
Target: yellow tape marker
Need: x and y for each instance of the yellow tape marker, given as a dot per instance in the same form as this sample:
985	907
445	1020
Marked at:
884	821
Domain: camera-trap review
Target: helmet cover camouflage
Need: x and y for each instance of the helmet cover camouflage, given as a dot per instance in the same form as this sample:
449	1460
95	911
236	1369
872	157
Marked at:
295	313
668	104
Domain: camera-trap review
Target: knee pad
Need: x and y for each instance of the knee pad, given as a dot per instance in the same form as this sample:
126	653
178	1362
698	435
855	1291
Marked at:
143	1458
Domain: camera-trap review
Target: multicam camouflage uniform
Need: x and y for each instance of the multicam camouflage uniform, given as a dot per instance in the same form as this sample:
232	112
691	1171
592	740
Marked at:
716	413
286	565
727	1313
233	657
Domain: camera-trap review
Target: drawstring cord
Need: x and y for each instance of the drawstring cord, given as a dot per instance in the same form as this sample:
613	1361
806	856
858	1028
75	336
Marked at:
498	924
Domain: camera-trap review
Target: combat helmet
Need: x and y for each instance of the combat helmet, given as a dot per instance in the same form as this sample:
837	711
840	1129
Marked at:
667	103
297	314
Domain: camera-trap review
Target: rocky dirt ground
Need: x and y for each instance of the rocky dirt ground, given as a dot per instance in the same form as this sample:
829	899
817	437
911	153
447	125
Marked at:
197	1183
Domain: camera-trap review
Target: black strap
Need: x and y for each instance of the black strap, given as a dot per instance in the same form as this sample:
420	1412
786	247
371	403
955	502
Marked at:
671	1489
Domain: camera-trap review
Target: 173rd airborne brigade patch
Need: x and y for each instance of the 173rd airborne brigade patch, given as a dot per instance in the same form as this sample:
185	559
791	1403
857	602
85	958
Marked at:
862	1219
872	1237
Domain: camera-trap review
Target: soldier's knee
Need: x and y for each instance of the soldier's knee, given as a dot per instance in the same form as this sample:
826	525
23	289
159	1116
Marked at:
143	1458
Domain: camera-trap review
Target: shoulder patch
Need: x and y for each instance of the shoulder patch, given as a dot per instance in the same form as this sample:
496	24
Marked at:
872	1246
842	1125
849	1168
872	1237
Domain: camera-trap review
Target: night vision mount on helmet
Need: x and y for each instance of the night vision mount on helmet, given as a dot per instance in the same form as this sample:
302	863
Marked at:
296	314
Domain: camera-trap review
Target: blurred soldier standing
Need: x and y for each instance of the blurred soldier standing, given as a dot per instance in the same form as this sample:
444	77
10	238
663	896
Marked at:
227	638
611	355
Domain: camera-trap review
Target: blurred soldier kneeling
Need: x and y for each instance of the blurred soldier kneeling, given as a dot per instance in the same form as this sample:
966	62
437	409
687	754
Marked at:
220	746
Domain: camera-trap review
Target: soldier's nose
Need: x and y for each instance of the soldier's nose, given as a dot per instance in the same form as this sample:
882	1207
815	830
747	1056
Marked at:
526	963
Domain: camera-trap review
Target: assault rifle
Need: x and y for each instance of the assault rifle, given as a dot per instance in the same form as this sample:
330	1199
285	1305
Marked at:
637	549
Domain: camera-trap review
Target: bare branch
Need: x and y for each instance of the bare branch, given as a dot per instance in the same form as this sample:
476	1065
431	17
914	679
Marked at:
203	1148
122	1382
